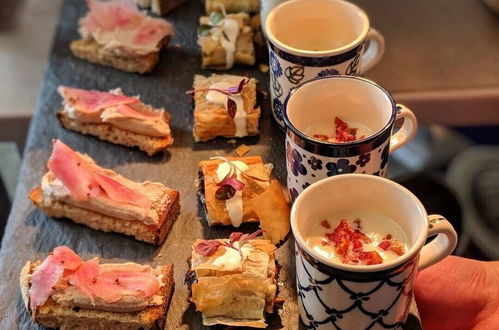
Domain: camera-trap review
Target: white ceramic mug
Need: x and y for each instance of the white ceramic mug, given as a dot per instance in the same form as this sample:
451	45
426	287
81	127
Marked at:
317	38
341	296
352	99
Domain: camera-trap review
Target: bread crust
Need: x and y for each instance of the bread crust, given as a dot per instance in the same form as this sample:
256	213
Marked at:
110	133
90	50
55	316
153	234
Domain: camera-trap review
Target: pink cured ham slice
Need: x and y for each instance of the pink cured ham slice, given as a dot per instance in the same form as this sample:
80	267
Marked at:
111	282
93	101
132	277
109	15
74	172
50	272
152	31
130	112
66	257
84	180
120	193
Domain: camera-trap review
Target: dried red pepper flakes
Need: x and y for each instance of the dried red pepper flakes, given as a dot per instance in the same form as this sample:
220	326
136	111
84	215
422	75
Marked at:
370	257
385	245
344	133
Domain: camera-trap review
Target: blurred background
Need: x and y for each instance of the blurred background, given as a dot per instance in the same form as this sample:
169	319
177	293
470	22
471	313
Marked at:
441	60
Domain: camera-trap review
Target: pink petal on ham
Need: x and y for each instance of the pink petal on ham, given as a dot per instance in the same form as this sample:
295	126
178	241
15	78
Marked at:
120	193
130	112
73	171
152	31
92	101
43	280
109	15
66	257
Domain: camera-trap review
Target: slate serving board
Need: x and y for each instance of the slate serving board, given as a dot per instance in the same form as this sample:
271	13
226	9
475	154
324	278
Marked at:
30	234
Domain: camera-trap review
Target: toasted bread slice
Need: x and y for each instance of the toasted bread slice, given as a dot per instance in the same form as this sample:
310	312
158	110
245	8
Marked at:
90	50
107	132
53	315
153	234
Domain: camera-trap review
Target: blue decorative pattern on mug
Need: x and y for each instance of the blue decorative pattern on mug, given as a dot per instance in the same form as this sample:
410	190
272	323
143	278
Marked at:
328	72
296	166
384	156
315	163
275	65
363	159
277	105
342	166
359	301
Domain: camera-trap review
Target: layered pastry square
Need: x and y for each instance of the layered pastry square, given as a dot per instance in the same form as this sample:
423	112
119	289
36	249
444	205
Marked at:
236	190
233	6
233	281
221	109
226	40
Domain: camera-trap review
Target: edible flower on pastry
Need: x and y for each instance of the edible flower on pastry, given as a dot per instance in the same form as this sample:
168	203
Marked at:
234	281
238	190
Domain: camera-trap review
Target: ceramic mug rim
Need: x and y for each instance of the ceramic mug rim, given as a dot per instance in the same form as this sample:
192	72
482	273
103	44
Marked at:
356	143
406	257
319	53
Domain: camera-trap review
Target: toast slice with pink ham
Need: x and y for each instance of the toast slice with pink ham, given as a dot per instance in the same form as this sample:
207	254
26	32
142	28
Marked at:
115	33
78	189
116	118
63	291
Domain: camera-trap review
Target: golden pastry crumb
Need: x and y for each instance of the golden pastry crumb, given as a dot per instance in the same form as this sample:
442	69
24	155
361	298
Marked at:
242	150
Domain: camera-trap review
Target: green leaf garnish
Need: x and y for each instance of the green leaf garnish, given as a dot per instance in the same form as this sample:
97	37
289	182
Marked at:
204	30
216	17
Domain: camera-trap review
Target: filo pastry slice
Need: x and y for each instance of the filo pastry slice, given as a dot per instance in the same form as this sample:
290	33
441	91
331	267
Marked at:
234	286
257	199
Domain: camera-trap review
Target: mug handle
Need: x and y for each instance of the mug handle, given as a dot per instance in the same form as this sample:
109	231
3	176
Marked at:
408	129
374	52
442	245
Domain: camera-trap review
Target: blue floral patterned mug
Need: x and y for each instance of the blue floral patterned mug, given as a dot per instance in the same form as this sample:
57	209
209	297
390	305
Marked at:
317	38
354	100
334	295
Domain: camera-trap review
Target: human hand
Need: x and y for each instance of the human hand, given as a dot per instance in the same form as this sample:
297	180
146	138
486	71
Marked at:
459	293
